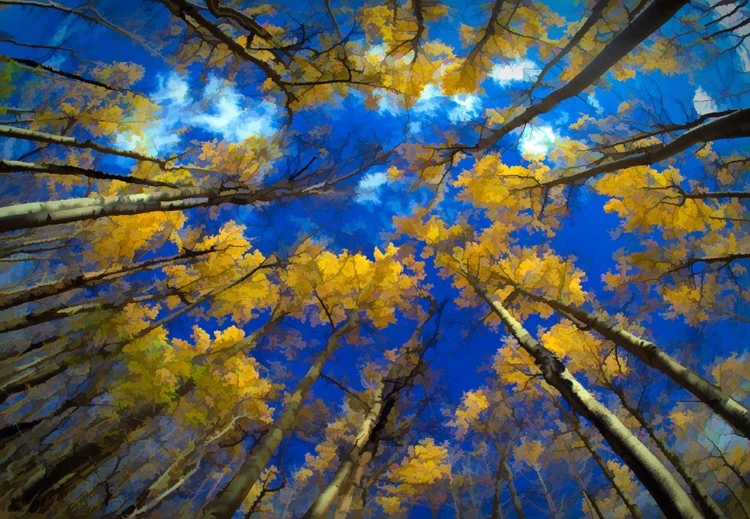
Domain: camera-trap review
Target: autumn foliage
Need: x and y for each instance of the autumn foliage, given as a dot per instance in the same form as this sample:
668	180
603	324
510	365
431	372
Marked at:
374	259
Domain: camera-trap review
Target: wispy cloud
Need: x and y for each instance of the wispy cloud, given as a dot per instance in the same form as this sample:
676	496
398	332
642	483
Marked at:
467	106
368	189
430	100
595	104
227	115
219	108
537	140
387	102
516	70
703	103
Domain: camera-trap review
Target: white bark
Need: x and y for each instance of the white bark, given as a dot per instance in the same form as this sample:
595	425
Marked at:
325	499
224	505
734	413
38	214
661	484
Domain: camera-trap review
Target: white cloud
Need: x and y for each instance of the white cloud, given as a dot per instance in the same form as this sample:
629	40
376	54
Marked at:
429	100
172	92
221	109
377	51
516	70
467	107
229	118
537	140
59	58
415	127
595	104
703	103
387	102
368	189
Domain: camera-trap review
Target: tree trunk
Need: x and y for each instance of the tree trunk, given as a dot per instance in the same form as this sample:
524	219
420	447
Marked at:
595	510
400	373
63	140
734	413
85	280
39	214
497	510
68	471
226	503
664	488
331	491
344	507
705	501
545	491
629	504
515	497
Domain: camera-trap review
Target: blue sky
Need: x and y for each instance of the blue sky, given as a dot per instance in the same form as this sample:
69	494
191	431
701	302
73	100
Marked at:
199	105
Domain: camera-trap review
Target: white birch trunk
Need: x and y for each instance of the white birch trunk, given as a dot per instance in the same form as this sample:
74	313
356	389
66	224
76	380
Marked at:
734	413
38	214
661	484
228	501
325	499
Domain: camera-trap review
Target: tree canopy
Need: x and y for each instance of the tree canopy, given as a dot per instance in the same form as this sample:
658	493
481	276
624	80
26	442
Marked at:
396	258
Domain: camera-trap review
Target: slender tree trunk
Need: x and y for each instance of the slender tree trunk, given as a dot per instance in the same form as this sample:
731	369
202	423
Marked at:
593	506
594	17
226	503
704	500
63	140
400	373
545	490
69	470
497	511
629	504
331	491
514	495
576	427
344	507
146	501
43	290
455	496
39	214
664	488
11	166
734	413
40	492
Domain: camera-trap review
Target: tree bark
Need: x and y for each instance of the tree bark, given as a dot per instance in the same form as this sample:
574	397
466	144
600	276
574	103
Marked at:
704	500
42	290
497	510
664	488
226	503
40	493
12	166
734	413
399	375
63	140
629	504
595	510
39	214
514	495
326	498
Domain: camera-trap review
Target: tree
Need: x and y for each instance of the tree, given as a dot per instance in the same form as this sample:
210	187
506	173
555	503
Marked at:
373	258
